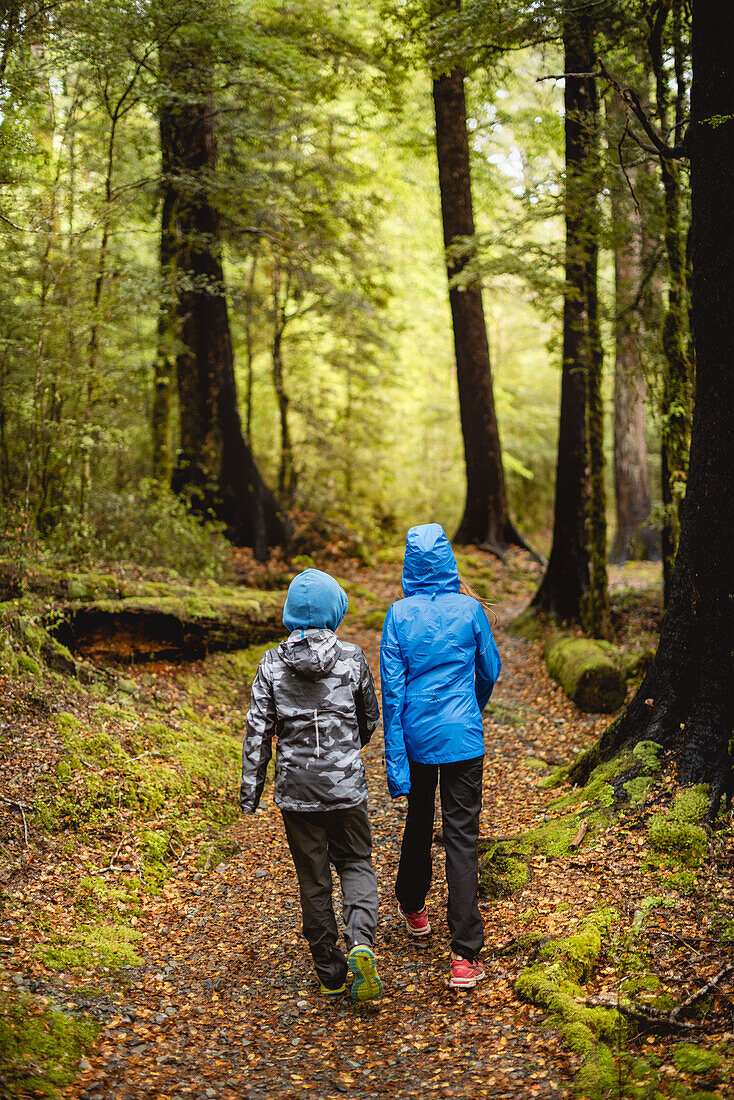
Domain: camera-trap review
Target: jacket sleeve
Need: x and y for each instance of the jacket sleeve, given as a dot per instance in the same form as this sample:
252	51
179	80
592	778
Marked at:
368	710
488	664
257	747
392	674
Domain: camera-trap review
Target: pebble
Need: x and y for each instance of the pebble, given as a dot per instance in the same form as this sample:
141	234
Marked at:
260	873
84	1065
301	1004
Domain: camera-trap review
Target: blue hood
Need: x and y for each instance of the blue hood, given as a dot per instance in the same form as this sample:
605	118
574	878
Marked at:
429	564
314	600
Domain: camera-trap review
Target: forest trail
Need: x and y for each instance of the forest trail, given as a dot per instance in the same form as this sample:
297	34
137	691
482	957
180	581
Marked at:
227	1004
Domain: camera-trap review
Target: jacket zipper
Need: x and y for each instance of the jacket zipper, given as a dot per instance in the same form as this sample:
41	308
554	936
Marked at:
316	723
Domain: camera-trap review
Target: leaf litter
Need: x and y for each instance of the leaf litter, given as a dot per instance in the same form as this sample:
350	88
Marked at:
224	1002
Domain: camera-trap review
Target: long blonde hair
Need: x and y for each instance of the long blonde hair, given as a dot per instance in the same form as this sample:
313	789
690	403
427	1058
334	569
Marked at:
467	590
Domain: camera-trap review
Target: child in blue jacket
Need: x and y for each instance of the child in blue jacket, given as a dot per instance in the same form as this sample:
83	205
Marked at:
438	663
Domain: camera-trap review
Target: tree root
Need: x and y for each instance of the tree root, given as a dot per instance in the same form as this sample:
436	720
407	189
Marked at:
658	1018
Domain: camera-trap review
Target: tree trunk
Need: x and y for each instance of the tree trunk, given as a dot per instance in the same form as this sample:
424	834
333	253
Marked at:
163	368
685	702
598	619
635	537
485	519
216	469
677	371
564	590
286	471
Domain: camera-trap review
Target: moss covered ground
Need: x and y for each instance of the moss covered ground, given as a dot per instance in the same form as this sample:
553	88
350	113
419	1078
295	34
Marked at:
150	937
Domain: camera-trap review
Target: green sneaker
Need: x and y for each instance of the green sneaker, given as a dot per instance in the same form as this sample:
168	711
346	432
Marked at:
332	992
366	985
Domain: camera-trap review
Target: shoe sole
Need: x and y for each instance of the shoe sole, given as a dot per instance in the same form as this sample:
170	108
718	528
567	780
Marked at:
417	934
366	985
468	983
332	992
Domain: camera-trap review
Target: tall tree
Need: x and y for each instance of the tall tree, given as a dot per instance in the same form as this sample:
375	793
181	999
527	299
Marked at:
634	279
685	702
677	389
566	585
485	520
215	467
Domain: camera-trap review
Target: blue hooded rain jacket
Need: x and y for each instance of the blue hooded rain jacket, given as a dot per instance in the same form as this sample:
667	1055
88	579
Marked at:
438	663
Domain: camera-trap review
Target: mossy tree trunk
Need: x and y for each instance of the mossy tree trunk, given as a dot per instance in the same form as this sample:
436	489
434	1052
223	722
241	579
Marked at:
566	585
485	519
677	391
685	702
215	469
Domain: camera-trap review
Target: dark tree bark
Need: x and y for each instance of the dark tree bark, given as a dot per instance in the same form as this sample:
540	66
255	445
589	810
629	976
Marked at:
677	369
485	519
686	702
163	368
635	536
215	468
564	590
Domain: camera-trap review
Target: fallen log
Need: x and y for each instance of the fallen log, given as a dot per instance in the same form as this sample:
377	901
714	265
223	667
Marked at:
587	671
166	627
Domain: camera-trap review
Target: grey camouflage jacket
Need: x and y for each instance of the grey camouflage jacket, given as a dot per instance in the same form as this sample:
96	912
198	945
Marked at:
316	693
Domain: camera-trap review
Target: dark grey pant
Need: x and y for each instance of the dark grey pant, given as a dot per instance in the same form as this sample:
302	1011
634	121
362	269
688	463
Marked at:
461	801
316	840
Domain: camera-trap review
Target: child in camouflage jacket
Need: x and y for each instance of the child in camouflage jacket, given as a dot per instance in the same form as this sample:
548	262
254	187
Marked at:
316	694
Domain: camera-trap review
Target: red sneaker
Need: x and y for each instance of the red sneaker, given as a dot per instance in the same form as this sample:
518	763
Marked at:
465	974
416	923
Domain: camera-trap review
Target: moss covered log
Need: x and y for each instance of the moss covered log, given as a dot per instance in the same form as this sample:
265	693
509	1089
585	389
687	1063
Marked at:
147	628
106	617
588	672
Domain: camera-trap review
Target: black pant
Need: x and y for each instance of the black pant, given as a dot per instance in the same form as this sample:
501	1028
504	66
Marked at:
461	801
341	837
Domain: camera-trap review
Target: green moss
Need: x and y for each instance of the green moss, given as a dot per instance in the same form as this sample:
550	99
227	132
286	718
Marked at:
691	805
588	672
684	882
92	945
647	905
676	832
527	625
40	1050
552	984
29	665
65	721
374	620
508	714
647	753
692	1059
688	842
501	873
637	788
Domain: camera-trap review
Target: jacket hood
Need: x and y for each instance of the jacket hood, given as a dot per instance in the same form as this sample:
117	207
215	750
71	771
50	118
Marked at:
315	600
429	564
312	654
